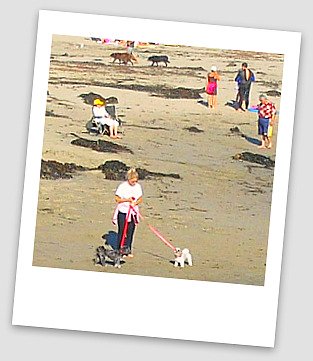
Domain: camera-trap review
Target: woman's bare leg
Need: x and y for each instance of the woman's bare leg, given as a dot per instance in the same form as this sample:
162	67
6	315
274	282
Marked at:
214	102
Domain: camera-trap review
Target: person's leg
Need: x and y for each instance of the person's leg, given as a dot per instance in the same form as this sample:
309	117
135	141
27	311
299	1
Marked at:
111	131
115	131
262	142
209	101
261	132
214	101
241	97
266	140
121	217
246	96
237	96
263	124
130	235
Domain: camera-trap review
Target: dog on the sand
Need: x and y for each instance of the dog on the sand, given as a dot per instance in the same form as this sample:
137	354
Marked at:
104	255
124	58
156	59
182	256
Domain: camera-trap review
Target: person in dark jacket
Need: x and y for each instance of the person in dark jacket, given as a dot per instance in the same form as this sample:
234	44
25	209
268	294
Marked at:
244	79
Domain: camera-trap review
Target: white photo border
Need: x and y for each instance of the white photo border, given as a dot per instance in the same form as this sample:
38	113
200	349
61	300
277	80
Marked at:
71	299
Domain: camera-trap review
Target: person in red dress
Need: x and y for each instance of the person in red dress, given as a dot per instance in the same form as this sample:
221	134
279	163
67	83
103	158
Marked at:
211	87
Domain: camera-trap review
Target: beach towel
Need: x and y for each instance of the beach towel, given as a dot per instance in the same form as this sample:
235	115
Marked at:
270	131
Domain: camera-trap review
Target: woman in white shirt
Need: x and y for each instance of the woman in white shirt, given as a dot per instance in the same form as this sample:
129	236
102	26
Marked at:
101	116
128	195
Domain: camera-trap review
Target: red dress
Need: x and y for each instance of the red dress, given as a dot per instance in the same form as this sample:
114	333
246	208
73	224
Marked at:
211	87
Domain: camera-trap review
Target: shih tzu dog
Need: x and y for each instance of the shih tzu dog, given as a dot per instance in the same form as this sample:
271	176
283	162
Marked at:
182	256
103	255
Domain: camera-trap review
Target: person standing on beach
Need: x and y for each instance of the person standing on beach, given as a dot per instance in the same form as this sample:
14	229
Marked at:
266	118
244	79
128	196
211	87
130	45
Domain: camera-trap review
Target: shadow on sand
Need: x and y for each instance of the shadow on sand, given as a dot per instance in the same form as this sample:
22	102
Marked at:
233	104
254	141
236	131
203	102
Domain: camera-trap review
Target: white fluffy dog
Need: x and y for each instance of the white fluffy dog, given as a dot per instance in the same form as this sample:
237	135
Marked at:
181	256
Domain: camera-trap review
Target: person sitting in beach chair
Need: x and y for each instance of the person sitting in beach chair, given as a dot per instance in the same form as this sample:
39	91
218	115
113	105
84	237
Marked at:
104	120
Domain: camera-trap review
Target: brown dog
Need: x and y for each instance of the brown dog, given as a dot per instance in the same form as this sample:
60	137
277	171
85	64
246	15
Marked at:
124	58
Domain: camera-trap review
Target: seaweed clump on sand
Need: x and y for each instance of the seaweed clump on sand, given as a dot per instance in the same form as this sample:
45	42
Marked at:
236	131
51	169
179	93
90	97
255	158
116	170
194	130
154	90
101	145
50	113
273	93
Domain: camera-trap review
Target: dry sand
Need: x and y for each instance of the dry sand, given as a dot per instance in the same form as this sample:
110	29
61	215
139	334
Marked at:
220	207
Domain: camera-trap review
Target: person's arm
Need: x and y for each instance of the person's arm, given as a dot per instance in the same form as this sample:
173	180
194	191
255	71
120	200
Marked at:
106	114
138	201
122	200
273	115
273	119
238	77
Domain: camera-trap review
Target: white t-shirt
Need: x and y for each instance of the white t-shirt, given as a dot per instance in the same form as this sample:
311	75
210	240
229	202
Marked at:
103	117
100	112
125	190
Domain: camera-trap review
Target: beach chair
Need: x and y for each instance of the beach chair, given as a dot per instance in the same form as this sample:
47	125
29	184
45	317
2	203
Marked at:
94	128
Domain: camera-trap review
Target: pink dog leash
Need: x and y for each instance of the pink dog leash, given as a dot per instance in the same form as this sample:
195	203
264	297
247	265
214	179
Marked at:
156	232
125	229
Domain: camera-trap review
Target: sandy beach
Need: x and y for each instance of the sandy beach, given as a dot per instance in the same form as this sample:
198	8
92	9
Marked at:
219	208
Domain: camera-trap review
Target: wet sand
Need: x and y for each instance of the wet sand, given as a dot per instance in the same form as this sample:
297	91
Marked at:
220	206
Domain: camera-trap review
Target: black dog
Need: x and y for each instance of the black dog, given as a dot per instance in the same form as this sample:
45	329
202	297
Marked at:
156	59
104	254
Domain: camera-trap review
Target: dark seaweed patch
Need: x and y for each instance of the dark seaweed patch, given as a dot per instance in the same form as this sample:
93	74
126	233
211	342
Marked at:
116	170
146	127
255	158
231	64
236	131
194	130
162	91
273	93
50	113
271	84
52	169
101	145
